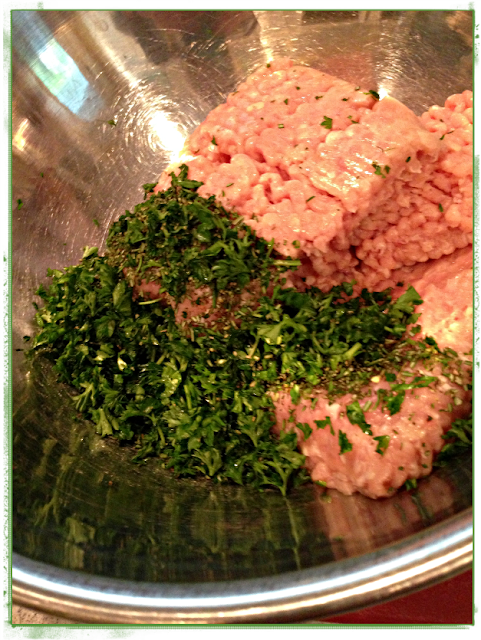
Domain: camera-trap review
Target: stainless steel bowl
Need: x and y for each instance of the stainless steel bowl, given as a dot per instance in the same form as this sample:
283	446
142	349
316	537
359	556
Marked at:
101	102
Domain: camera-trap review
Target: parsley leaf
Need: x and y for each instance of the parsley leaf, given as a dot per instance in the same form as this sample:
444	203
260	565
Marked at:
327	123
344	443
355	415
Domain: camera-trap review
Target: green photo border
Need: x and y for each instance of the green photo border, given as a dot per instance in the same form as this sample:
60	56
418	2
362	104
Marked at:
119	631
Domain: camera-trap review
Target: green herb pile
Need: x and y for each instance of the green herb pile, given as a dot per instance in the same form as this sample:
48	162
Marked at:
196	393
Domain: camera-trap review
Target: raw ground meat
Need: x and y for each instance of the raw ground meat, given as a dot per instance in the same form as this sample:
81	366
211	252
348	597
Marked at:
357	189
446	287
415	436
353	186
426	414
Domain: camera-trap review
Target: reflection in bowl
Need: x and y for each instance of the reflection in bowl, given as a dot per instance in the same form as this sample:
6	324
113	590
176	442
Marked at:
101	103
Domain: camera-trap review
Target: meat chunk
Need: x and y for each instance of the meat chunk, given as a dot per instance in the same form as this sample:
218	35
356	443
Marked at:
413	434
400	446
354	186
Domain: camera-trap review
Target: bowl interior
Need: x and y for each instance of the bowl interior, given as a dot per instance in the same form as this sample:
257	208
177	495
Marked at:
101	102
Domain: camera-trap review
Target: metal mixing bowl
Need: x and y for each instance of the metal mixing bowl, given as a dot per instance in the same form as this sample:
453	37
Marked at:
101	102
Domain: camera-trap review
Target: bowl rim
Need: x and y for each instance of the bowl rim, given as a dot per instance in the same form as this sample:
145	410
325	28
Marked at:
428	557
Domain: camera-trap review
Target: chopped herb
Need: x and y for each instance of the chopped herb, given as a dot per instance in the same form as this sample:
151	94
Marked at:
286	101
412	483
308	199
148	188
318	97
383	443
352	121
295	393
408	158
112	123
296	244
41	174
305	428
374	94
344	443
345	99
229	185
394	402
19	204
268	65
378	170
355	415
440	207
321	424
327	123
281	126
459	438
196	394
96	222
446	134
298	88
213	141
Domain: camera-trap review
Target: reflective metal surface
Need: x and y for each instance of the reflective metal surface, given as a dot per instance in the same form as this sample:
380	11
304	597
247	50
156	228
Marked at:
101	102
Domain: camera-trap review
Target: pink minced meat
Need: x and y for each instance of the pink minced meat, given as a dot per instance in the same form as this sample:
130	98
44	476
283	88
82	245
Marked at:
416	431
415	436
351	185
433	218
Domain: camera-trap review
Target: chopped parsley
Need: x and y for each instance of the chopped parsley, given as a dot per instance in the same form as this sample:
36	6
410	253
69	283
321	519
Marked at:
321	424
327	123
459	438
378	170
344	444
447	133
196	394
305	428
213	141
383	443
112	123
355	415
19	204
440	207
